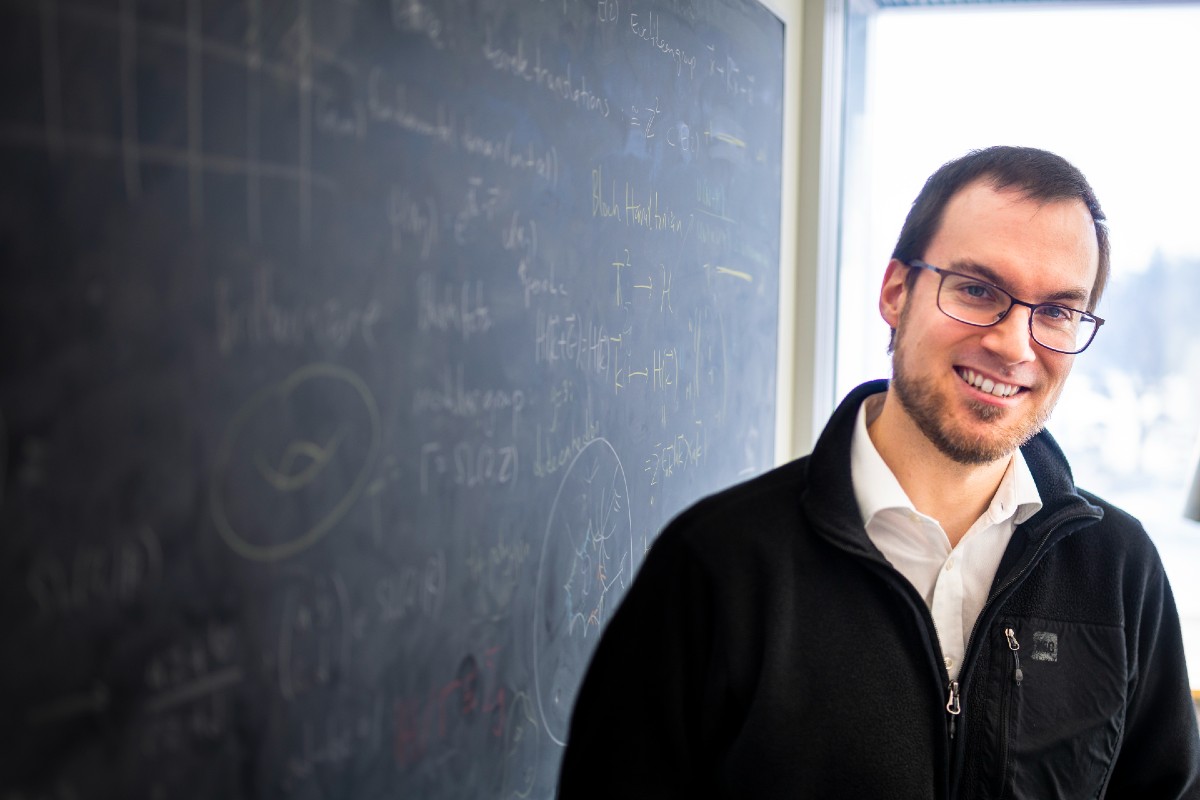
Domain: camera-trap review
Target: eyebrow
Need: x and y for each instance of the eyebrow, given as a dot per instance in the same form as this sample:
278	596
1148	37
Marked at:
1079	296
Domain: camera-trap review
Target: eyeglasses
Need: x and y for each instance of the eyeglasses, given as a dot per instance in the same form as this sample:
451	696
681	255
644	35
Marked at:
968	299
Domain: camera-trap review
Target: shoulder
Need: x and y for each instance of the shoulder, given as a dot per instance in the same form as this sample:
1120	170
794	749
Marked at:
1121	530
1115	553
774	493
759	516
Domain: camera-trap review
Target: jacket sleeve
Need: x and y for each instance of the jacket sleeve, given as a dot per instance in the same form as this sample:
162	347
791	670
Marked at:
635	729
1160	749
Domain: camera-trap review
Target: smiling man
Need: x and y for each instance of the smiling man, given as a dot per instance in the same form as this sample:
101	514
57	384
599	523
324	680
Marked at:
926	606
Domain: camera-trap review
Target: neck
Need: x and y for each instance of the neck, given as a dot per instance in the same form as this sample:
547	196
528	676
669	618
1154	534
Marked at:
953	493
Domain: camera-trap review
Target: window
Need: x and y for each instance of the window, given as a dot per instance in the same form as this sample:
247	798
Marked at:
1111	88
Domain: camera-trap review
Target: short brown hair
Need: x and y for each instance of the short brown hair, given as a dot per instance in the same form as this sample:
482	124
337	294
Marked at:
1037	174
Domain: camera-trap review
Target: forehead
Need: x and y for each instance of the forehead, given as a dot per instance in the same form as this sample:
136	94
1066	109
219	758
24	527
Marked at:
1034	246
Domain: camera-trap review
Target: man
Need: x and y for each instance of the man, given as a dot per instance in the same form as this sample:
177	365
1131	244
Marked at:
926	606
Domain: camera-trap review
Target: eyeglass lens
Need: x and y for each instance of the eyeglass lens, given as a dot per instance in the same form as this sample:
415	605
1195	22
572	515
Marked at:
978	303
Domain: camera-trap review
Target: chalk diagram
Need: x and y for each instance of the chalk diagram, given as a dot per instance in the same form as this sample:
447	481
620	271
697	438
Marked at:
293	462
291	63
585	565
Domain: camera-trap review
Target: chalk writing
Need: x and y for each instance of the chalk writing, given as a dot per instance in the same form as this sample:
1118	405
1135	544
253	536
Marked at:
647	212
562	86
417	17
332	742
540	162
705	384
423	722
339	116
315	628
536	286
188	682
520	236
387	101
648	27
644	117
604	207
481	204
552	453
562	395
683	136
496	567
412	217
675	455
662	291
469	464
716	236
446	307
608	11
570	339
264	321
736	82
115	573
482	406
711	196
637	210
413	591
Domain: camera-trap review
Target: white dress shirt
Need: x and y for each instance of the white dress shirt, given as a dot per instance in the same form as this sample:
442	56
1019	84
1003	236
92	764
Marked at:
954	581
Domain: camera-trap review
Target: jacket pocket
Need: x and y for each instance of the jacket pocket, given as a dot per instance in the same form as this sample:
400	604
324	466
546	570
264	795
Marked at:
1064	706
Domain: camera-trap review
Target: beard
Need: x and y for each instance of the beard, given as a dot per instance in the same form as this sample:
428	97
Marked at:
930	412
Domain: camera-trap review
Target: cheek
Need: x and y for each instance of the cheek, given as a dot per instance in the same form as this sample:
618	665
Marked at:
1057	368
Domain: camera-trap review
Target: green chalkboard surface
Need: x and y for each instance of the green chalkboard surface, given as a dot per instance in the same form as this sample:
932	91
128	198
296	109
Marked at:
353	353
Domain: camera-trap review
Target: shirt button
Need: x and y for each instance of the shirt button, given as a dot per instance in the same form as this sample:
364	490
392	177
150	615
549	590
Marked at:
949	564
949	662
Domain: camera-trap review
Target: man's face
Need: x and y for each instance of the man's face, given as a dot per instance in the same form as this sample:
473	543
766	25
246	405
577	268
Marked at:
1038	253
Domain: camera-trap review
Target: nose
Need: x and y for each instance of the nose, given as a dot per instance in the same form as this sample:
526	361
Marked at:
1010	338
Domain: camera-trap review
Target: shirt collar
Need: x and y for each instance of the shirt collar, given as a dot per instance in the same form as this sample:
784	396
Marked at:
876	488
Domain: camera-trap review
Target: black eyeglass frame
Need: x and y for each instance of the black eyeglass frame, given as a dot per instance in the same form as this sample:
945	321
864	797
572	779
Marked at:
1033	307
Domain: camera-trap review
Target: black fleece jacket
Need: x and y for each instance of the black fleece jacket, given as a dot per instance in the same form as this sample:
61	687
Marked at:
768	649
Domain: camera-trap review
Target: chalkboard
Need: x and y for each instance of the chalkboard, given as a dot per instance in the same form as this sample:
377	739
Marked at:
353	355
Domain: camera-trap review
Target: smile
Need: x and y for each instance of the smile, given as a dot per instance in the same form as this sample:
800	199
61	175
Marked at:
987	384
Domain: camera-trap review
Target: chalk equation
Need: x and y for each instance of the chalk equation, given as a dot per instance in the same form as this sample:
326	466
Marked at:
117	572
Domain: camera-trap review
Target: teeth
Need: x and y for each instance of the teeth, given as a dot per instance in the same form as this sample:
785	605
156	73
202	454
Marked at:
987	384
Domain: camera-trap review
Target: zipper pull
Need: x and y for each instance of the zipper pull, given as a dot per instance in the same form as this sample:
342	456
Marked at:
952	705
1018	675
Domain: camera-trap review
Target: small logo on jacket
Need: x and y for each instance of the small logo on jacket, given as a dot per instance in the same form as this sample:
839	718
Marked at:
1045	646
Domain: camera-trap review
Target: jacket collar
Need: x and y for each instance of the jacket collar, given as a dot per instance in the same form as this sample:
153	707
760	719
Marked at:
830	504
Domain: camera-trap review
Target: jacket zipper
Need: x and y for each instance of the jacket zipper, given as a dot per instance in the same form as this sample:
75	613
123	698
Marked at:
953	704
1014	647
968	662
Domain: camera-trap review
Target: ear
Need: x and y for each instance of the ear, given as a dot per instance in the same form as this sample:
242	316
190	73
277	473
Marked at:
894	293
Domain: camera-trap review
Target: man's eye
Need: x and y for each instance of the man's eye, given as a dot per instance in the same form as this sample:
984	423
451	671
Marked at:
1056	314
977	292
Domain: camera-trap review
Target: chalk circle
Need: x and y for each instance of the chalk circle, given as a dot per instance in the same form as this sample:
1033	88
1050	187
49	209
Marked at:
297	456
585	565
